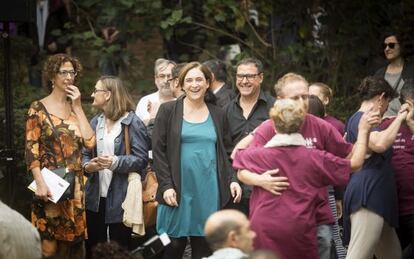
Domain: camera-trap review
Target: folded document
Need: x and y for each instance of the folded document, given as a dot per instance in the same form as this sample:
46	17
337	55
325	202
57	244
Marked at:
57	185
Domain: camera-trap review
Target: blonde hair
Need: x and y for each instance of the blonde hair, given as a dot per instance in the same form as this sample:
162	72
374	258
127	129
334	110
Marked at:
287	115
325	90
120	101
287	78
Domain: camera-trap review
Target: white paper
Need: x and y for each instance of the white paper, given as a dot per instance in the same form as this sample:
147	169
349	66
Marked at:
57	185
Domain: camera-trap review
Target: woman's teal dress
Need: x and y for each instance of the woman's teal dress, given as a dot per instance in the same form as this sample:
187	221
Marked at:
199	183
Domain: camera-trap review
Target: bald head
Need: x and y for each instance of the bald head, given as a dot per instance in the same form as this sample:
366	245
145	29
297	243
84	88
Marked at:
229	228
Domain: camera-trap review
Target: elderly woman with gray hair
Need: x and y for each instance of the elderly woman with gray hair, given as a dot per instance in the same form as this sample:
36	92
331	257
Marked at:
292	215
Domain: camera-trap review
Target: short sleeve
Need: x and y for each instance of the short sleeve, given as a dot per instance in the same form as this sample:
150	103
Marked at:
263	133
249	159
329	169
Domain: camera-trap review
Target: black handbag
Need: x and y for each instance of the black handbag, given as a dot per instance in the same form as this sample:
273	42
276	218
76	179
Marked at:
63	172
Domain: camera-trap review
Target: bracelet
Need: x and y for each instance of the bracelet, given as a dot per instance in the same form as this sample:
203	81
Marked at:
84	168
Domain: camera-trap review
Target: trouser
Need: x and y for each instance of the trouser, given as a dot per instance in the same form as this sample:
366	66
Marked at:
339	247
199	248
324	235
243	206
98	230
57	249
406	235
371	235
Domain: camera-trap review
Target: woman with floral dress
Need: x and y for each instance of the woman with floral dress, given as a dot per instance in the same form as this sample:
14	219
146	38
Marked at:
62	225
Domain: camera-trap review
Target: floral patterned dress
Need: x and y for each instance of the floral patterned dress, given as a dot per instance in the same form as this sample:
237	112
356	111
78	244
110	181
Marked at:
65	220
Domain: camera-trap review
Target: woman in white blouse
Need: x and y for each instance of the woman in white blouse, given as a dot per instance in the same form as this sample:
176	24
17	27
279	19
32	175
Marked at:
108	170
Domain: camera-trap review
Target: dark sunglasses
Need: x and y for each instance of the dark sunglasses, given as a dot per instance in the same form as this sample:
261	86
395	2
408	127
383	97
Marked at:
390	45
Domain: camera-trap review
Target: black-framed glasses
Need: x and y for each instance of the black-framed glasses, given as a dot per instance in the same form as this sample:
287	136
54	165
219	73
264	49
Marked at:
164	76
248	77
390	45
99	90
171	79
65	73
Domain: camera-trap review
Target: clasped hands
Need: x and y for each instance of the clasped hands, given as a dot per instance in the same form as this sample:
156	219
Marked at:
99	163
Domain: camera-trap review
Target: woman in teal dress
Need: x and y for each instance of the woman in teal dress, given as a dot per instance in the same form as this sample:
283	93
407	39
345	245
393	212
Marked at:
191	150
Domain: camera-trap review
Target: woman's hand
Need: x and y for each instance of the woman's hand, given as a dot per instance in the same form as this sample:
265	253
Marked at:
272	183
93	166
42	192
369	120
104	162
170	197
74	94
236	192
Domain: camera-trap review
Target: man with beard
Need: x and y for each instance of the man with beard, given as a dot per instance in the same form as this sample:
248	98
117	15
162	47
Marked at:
148	105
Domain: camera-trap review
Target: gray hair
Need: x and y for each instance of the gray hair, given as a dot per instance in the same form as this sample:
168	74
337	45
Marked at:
161	64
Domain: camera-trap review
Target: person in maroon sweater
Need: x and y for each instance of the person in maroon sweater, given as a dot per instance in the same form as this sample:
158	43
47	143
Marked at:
403	163
287	224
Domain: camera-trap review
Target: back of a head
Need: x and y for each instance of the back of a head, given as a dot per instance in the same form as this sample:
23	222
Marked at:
407	91
372	86
218	226
287	116
111	250
218	68
316	106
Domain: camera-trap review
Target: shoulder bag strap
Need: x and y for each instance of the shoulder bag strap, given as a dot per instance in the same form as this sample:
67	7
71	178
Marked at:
55	133
126	136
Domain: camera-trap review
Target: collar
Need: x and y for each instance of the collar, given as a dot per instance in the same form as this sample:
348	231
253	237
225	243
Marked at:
229	252
126	119
262	97
279	140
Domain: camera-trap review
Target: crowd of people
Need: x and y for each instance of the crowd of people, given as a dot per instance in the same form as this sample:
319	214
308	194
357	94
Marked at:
241	174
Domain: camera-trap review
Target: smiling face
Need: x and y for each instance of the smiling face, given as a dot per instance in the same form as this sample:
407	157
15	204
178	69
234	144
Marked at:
248	80
392	48
64	77
195	84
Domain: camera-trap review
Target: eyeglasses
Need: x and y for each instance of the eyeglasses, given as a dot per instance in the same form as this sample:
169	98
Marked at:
99	90
248	77
65	73
171	79
164	76
390	45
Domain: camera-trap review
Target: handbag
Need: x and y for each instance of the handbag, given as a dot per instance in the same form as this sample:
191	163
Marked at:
149	189
63	172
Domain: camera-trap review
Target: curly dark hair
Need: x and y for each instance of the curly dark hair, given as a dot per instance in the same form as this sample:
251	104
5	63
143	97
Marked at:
372	86
52	66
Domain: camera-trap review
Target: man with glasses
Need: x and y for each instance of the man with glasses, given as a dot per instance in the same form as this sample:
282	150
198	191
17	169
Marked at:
149	104
175	87
245	112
